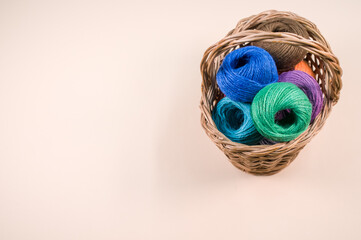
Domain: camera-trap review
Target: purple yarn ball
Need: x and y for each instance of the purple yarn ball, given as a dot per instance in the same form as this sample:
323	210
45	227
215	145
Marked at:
308	85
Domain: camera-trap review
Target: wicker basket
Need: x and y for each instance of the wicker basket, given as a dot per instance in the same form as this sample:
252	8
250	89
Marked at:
268	159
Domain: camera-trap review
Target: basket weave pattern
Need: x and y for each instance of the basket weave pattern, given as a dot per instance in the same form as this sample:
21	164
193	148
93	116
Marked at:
268	159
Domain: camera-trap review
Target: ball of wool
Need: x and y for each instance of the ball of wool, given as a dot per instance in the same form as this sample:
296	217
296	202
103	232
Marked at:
303	66
234	120
265	141
308	85
244	72
285	55
277	97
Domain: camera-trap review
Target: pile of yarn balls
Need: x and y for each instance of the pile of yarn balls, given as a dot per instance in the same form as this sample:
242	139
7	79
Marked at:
266	100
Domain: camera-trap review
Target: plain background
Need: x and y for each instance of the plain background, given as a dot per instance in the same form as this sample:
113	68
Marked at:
100	135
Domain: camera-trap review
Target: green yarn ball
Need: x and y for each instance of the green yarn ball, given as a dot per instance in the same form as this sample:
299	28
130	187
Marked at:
277	97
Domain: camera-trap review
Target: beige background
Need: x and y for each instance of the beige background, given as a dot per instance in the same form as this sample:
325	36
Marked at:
100	135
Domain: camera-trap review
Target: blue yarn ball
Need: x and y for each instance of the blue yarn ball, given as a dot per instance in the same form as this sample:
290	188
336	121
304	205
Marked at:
234	120
245	71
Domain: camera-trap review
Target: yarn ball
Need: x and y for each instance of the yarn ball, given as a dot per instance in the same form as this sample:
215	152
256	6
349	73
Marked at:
303	66
234	120
308	85
277	97
265	141
285	55
244	72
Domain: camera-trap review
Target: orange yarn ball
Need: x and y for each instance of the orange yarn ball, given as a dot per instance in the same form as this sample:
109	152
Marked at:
303	66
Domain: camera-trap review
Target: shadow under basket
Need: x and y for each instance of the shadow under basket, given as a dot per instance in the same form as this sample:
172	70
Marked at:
268	159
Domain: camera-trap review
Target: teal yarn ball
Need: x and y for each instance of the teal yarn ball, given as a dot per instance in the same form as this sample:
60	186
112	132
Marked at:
234	120
277	97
